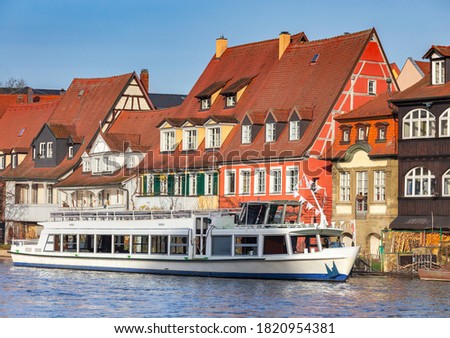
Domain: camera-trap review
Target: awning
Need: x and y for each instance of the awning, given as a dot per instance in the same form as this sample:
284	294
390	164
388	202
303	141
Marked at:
420	223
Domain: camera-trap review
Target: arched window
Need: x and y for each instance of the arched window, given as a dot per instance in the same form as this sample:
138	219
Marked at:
444	124
419	123
419	182
446	183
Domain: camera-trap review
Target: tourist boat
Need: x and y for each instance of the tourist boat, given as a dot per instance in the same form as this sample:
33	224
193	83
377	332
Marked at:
260	240
442	274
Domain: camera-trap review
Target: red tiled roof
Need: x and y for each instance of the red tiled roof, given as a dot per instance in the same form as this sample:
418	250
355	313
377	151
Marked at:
443	50
81	179
423	90
376	108
120	142
424	66
21	123
86	102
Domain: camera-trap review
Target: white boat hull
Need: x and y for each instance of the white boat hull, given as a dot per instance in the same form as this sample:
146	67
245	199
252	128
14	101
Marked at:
328	265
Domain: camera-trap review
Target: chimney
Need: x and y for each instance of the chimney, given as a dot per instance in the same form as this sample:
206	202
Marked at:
221	46
284	41
30	95
144	79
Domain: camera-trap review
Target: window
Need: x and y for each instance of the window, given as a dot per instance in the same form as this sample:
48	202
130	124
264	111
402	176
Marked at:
372	87
178	188
381	132
344	187
246	134
231	101
21	132
14	162
244	182
163	185
107	162
193	184
291	179
50	195
444	123
363	132
178	245
159	244
140	244
379	187
438	72
209	184
167	140
418	123
213	137
419	182
246	245
42	150
230	182
122	243
270	132
86	165
205	103
49	149
362	186
294	130
274	245
190	139
275	181
315	58
131	161
446	183
70	151
260	181
2	162
149	184
221	245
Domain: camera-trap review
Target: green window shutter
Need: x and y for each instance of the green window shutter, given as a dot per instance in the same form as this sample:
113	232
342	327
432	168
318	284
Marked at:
200	184
157	185
144	185
171	185
215	184
184	185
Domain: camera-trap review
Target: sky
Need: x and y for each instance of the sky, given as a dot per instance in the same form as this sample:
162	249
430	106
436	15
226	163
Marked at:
48	43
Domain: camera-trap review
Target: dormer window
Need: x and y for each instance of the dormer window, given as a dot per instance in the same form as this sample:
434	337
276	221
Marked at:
49	149
14	161
294	130
190	139
70	151
270	132
362	132
213	137
205	103
86	165
230	101
437	72
42	148
246	131
2	162
167	140
346	129
381	132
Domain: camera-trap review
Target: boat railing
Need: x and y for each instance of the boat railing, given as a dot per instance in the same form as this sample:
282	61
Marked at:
135	215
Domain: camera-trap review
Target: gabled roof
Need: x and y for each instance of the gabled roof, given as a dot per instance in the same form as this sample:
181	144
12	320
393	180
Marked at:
379	107
423	90
61	131
236	86
120	142
443	50
211	89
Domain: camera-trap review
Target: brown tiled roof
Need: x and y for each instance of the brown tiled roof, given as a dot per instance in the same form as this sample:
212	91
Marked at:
120	142
376	108
423	90
443	50
424	66
234	87
211	89
81	179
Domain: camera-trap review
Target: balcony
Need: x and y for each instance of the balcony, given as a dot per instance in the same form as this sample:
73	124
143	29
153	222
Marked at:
361	207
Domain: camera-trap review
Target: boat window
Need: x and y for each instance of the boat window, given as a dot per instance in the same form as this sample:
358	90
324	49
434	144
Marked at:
86	243
122	243
275	214
304	244
202	224
293	213
70	243
140	244
253	214
159	244
221	245
104	243
274	245
246	245
53	243
178	245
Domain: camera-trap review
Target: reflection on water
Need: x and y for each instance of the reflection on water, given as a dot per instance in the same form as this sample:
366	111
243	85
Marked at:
29	292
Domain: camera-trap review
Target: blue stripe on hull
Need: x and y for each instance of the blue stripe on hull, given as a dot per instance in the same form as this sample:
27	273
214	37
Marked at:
308	277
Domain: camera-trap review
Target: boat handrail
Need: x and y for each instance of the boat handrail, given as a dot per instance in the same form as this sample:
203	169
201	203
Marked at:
135	215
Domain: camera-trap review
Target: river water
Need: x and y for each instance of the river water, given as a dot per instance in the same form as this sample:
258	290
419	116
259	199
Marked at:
45	293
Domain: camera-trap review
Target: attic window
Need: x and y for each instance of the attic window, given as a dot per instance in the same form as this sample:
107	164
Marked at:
70	151
81	92
231	101
438	72
205	103
314	59
21	132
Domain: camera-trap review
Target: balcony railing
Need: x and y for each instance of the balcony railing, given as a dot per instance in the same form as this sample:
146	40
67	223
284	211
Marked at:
361	208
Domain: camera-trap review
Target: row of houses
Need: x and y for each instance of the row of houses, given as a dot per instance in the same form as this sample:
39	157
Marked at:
264	121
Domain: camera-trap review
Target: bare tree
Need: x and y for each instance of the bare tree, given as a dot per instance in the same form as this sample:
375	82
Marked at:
14	83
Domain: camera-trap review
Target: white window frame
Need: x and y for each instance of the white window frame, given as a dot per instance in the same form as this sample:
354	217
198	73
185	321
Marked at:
344	186
260	181
271	132
209	184
150	184
228	174
2	162
246	131
346	135
190	139
244	181
213	137
49	149
437	72
276	181
379	186
167	140
193	184
107	167
70	151
178	184
42	149
97	166
164	185
230	101
86	165
292	174
294	131
205	103
444	123
419	182
416	120
446	183
372	87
